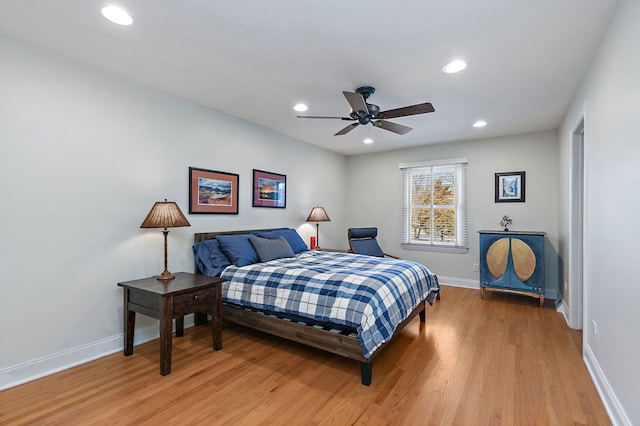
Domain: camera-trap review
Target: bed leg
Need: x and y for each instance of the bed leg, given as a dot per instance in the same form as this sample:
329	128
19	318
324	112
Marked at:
423	312
365	373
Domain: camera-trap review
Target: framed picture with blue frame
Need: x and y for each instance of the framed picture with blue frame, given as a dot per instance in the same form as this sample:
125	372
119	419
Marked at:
510	187
269	189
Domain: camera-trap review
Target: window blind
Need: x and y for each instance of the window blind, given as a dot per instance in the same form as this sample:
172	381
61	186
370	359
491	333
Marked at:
434	205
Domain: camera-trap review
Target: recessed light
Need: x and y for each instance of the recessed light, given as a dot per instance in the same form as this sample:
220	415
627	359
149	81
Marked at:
300	107
367	141
454	66
116	15
480	123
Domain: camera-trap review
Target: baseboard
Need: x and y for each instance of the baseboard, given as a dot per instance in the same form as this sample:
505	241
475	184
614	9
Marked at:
459	282
50	364
616	413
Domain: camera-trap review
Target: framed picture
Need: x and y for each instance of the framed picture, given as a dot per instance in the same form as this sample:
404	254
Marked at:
510	187
214	192
269	189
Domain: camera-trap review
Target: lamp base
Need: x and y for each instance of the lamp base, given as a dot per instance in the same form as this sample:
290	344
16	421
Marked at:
165	276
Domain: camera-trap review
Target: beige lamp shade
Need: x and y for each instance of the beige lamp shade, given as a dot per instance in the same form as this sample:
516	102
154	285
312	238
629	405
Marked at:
165	214
318	214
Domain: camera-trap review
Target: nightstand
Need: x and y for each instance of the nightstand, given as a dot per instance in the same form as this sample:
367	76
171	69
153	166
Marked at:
168	300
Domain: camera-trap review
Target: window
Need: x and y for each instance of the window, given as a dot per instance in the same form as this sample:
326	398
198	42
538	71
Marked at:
434	205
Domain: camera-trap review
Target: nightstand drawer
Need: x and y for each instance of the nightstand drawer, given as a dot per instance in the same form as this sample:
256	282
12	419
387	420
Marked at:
187	303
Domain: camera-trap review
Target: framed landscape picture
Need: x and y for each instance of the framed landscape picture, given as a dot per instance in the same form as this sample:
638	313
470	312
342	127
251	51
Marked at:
510	187
214	192
269	189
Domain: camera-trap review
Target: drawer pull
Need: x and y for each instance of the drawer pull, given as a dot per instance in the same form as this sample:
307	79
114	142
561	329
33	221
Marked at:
196	297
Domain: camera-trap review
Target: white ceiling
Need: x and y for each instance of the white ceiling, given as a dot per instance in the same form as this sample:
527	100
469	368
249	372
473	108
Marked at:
255	59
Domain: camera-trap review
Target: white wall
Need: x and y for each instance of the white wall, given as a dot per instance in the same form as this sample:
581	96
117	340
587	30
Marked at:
609	97
83	157
375	188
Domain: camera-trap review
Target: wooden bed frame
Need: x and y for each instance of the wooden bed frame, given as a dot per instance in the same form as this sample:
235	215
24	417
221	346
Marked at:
340	343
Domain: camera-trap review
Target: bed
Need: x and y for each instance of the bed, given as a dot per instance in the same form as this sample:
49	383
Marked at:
347	304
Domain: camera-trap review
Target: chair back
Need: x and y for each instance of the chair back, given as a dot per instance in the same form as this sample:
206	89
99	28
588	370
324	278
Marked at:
363	241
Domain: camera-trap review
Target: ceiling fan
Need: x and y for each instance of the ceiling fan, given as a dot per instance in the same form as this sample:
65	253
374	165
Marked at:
365	113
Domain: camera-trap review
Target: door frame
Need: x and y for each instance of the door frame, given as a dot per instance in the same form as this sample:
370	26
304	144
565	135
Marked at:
578	224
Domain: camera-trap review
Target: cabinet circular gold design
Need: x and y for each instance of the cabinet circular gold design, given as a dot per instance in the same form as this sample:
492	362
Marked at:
524	260
497	256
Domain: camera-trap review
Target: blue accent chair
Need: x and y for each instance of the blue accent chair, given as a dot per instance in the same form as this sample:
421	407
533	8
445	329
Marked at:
363	241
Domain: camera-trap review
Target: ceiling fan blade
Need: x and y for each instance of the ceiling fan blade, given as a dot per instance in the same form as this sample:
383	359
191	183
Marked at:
318	116
347	129
408	110
356	101
392	127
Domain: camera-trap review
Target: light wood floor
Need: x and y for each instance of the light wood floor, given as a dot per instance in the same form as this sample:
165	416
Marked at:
498	361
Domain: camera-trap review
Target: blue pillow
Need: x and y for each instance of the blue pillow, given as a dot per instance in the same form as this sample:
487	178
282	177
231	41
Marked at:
271	248
238	249
209	258
367	246
292	237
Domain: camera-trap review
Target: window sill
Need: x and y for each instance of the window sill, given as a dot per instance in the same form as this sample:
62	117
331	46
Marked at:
434	247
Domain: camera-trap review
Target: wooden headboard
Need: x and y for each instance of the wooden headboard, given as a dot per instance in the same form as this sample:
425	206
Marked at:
204	236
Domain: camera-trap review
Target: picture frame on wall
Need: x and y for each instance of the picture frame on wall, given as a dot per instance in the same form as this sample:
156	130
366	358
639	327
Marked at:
269	189
213	192
510	187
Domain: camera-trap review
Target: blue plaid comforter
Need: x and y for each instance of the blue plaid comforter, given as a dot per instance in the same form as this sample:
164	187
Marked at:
371	294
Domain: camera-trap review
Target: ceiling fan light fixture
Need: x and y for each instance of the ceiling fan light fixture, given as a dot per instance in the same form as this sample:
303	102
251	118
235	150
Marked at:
300	107
117	15
454	66
363	113
480	123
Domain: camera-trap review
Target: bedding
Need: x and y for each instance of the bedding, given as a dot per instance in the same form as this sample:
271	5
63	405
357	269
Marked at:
293	238
209	258
271	248
371	294
212	256
238	249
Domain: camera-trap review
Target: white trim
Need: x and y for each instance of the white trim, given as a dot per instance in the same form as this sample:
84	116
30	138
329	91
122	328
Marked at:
445	248
459	282
561	308
585	224
54	363
613	407
461	160
577	255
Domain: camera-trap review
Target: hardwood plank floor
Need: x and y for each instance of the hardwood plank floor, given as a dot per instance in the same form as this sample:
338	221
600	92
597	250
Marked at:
498	361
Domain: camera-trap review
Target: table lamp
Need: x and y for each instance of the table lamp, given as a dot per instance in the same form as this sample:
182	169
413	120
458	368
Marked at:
165	214
318	215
